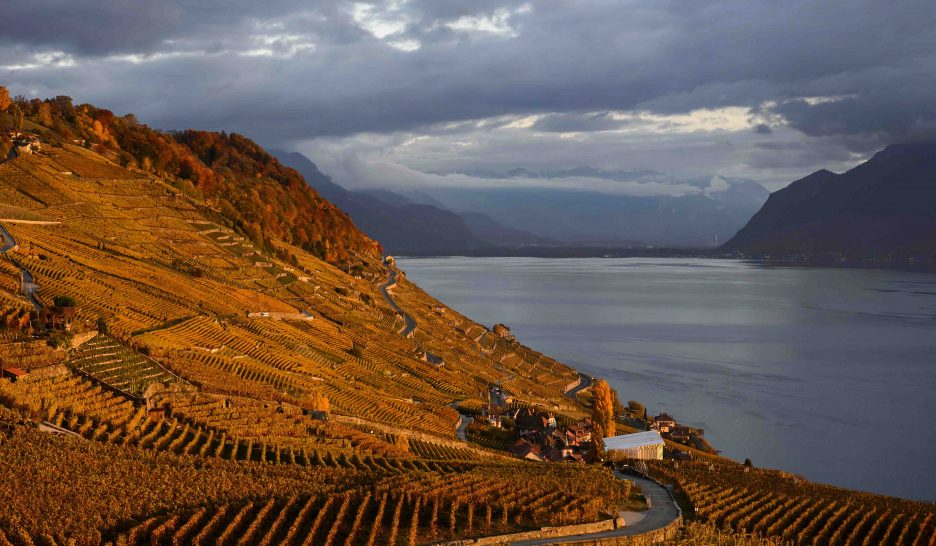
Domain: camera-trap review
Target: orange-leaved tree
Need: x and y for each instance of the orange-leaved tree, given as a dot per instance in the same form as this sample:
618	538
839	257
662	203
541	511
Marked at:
603	408
5	100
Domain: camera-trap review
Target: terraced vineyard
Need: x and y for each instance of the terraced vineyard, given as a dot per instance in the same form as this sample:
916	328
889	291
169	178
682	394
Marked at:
246	390
244	430
434	507
51	479
777	505
107	360
72	402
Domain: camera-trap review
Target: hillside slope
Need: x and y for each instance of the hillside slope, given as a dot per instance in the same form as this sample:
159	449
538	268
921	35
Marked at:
253	340
135	251
249	190
882	209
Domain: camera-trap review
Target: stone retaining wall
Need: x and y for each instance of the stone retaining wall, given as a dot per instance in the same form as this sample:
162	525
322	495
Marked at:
644	539
571	386
30	222
275	315
83	337
544	533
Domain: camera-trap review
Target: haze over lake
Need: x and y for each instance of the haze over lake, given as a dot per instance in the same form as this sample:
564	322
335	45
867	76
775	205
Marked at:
828	373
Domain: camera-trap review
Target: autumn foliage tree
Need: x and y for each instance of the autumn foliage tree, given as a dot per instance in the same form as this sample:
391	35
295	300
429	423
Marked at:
597	443
18	119
5	100
603	408
318	402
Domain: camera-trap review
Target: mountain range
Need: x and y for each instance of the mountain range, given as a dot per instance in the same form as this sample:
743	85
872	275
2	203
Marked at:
440	220
884	208
698	218
411	224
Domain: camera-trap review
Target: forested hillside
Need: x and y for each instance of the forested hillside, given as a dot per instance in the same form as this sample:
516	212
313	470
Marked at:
250	189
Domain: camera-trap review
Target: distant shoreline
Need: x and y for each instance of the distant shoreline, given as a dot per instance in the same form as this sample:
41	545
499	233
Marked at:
903	264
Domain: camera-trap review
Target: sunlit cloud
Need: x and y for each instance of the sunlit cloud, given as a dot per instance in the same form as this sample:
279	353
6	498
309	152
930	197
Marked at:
498	22
43	60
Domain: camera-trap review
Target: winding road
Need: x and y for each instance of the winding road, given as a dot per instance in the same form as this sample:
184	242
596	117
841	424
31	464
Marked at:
410	324
662	512
28	286
8	241
464	420
585	381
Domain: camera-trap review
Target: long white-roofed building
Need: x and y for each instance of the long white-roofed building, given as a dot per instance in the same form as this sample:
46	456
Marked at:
640	445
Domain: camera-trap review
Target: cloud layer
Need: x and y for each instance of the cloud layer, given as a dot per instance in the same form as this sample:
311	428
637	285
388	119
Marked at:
766	90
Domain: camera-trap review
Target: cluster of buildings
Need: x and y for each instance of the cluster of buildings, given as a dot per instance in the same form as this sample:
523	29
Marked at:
539	439
25	144
537	436
669	429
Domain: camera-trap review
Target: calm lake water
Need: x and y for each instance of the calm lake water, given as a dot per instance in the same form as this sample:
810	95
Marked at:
828	373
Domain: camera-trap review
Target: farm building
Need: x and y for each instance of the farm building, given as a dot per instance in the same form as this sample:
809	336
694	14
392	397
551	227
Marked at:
641	445
13	374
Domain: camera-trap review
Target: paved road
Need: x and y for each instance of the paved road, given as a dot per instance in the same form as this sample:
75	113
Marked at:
463	422
28	287
585	381
385	290
662	512
8	241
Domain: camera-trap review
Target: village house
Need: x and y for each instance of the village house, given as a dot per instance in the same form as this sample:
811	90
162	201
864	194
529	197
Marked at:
435	359
579	434
679	433
57	318
524	449
14	374
663	423
527	421
492	415
503	332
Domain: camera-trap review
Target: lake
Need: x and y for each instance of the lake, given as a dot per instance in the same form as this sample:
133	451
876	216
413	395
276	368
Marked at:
828	373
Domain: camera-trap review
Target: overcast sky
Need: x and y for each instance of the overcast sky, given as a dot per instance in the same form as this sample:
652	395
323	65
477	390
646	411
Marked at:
420	92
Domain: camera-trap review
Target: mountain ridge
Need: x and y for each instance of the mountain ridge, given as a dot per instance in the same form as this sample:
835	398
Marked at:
884	207
412	223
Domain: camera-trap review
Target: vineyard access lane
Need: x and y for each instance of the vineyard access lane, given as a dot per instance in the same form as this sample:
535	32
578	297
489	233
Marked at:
662	512
28	287
385	290
585	381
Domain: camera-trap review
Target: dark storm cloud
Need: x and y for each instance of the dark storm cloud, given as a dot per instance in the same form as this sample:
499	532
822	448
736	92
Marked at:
898	108
288	70
102	27
89	27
